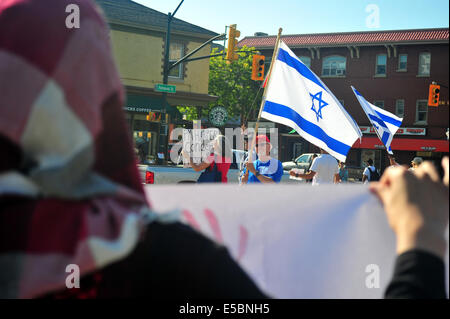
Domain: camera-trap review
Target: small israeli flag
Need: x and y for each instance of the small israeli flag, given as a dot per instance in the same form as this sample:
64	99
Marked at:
296	97
385	123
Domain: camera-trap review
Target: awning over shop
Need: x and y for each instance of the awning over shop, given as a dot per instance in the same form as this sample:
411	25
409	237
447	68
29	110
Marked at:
145	104
405	144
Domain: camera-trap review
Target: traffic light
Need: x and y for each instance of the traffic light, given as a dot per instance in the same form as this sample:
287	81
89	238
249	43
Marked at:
153	117
258	67
433	95
233	34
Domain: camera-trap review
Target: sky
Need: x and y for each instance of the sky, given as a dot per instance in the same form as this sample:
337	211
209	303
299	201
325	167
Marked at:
307	16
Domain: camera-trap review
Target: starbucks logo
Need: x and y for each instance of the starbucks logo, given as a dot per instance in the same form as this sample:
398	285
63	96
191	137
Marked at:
218	116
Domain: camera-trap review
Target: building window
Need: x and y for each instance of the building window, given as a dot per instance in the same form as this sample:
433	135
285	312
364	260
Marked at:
421	111
379	104
424	64
400	108
402	62
176	53
334	66
306	60
381	64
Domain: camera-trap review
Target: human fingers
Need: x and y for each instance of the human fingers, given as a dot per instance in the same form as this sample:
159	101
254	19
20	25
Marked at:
375	188
391	173
427	170
394	177
445	164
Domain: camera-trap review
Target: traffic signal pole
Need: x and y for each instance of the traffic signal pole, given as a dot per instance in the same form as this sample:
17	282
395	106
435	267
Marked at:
231	56
163	141
185	58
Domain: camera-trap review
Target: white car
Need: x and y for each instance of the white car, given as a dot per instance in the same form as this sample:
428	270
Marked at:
304	161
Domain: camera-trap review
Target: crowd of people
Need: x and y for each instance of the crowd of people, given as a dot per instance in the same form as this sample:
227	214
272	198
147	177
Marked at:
78	199
261	167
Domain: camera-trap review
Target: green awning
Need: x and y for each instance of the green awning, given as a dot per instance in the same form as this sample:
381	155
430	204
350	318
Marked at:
145	104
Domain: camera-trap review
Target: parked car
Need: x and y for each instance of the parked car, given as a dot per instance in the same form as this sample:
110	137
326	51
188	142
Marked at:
174	174
304	161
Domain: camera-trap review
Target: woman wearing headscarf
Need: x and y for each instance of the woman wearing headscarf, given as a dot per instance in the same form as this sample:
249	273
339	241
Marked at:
70	193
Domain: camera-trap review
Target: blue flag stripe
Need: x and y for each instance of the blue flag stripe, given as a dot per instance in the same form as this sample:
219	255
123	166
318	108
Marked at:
378	120
285	57
308	127
388	119
385	118
385	137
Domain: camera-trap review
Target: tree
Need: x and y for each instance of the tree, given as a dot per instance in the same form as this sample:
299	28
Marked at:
233	85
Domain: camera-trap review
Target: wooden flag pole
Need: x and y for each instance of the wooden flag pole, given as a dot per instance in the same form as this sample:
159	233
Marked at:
275	52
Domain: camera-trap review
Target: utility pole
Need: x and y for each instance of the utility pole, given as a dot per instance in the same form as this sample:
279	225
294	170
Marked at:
163	142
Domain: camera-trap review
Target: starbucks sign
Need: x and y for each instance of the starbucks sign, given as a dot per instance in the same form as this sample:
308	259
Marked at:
218	116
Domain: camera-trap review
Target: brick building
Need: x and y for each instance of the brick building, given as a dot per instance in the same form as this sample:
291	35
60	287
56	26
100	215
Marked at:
393	70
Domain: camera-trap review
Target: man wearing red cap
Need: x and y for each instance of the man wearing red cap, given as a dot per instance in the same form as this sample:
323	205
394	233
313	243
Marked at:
265	169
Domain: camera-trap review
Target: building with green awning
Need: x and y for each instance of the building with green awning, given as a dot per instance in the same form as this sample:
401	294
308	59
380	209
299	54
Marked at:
138	41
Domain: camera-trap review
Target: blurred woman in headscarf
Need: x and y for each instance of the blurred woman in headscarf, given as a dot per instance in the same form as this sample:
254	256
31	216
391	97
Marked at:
70	193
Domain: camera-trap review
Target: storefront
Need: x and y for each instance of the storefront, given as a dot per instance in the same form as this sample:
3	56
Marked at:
407	144
144	116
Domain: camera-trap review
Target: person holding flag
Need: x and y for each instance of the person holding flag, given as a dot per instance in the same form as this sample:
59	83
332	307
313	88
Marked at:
265	169
385	123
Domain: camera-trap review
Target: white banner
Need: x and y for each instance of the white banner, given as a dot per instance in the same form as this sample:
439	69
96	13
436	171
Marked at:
294	241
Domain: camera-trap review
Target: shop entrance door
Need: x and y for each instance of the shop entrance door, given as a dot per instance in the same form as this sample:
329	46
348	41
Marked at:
375	155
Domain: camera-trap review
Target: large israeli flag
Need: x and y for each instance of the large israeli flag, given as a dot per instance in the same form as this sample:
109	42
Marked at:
296	97
385	123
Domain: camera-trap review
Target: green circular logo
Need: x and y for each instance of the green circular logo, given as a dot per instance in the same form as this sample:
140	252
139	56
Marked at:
218	116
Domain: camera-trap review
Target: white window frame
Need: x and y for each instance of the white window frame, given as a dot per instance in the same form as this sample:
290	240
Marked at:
339	71
180	66
429	67
417	112
396	108
399	61
377	101
376	65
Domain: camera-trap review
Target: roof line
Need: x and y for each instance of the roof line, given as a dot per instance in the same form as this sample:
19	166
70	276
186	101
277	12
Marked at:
348	32
152	28
176	23
351	44
174	18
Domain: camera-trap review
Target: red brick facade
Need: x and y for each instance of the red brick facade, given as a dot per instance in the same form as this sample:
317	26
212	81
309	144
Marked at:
395	85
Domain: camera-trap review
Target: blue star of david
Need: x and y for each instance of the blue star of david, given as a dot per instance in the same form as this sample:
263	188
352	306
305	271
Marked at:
322	104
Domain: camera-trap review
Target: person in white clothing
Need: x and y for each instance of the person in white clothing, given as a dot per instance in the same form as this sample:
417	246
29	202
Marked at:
370	173
324	170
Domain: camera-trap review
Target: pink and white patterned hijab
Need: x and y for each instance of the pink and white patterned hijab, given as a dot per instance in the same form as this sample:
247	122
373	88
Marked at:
70	192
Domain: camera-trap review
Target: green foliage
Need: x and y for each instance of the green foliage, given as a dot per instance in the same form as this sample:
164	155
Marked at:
233	85
189	111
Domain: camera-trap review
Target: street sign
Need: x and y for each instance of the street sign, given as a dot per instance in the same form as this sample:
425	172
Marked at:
165	88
